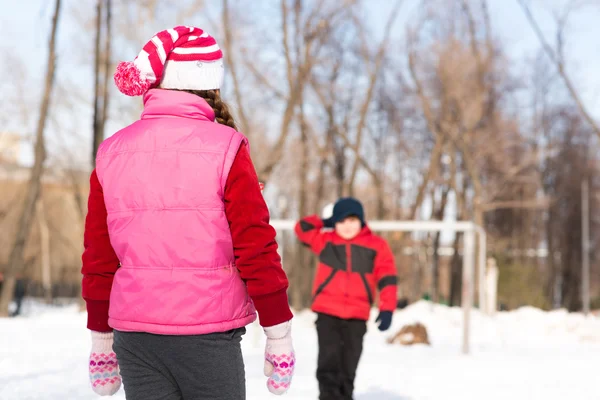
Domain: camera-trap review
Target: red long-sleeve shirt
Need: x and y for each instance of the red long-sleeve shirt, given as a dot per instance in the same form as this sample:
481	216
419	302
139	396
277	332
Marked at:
254	247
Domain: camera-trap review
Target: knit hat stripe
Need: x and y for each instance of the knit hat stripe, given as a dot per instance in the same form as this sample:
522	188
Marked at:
198	41
197	50
185	30
204	46
204	35
166	40
149	57
185	37
142	63
173	33
190	57
160	49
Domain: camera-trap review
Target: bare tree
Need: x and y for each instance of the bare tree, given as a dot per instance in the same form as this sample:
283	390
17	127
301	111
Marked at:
107	66
44	250
16	260
232	63
557	56
374	72
570	136
101	80
316	25
462	87
97	134
304	283
438	214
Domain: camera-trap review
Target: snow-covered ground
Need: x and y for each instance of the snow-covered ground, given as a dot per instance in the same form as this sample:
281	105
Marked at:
526	354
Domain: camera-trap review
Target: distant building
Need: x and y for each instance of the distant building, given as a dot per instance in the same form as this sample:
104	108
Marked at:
64	194
10	148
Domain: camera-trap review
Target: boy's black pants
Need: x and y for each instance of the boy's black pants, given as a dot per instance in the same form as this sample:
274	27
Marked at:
340	347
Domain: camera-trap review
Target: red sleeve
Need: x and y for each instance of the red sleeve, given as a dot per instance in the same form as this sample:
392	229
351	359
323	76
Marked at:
99	261
386	277
308	230
254	245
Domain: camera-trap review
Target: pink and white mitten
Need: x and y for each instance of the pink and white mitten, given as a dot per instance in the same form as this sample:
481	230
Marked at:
103	368
280	359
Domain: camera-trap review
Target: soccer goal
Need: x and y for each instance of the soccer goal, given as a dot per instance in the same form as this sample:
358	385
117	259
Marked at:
470	231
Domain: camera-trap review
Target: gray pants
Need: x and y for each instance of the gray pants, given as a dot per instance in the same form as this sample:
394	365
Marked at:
195	367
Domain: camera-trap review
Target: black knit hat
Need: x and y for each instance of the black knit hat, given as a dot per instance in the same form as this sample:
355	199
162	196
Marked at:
346	207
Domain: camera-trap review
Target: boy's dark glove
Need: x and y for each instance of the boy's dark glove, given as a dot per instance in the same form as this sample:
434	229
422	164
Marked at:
385	320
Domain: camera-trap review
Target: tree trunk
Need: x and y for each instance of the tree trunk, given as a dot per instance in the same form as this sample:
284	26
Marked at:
435	273
301	269
102	61
107	72
306	275
552	289
15	260
456	274
320	187
97	134
456	261
44	251
379	189
415	272
232	65
318	203
479	220
340	169
435	269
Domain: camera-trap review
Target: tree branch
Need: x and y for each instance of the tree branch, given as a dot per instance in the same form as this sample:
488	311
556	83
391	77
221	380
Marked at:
232	65
532	204
558	62
374	73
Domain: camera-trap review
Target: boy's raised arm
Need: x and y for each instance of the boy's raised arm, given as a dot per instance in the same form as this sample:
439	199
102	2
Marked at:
308	230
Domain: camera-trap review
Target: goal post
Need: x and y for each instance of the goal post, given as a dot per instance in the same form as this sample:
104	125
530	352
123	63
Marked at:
470	231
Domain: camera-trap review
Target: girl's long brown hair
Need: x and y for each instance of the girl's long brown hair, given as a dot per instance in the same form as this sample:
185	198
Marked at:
222	114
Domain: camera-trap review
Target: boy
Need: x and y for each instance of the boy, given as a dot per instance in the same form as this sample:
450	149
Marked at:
352	263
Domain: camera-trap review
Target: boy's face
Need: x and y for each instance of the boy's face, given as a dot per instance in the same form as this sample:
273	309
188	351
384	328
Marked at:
348	228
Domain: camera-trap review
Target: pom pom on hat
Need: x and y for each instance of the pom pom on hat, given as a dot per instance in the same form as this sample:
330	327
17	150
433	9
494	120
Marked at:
183	57
129	80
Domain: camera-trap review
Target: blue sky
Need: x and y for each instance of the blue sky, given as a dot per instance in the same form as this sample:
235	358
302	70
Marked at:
26	24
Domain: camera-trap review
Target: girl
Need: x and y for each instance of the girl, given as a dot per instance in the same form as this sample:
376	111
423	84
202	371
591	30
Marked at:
179	254
352	263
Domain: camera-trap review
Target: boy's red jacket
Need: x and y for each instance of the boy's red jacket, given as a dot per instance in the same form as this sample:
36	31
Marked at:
349	271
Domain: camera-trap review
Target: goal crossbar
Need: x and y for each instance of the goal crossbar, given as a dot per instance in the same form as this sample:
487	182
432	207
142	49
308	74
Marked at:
398	226
468	228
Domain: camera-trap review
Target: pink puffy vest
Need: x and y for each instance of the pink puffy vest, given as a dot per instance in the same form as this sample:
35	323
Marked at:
163	179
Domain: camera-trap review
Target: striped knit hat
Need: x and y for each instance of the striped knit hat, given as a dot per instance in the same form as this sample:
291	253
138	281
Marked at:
180	58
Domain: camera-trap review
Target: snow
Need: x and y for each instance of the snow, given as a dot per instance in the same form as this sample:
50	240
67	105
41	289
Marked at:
524	354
